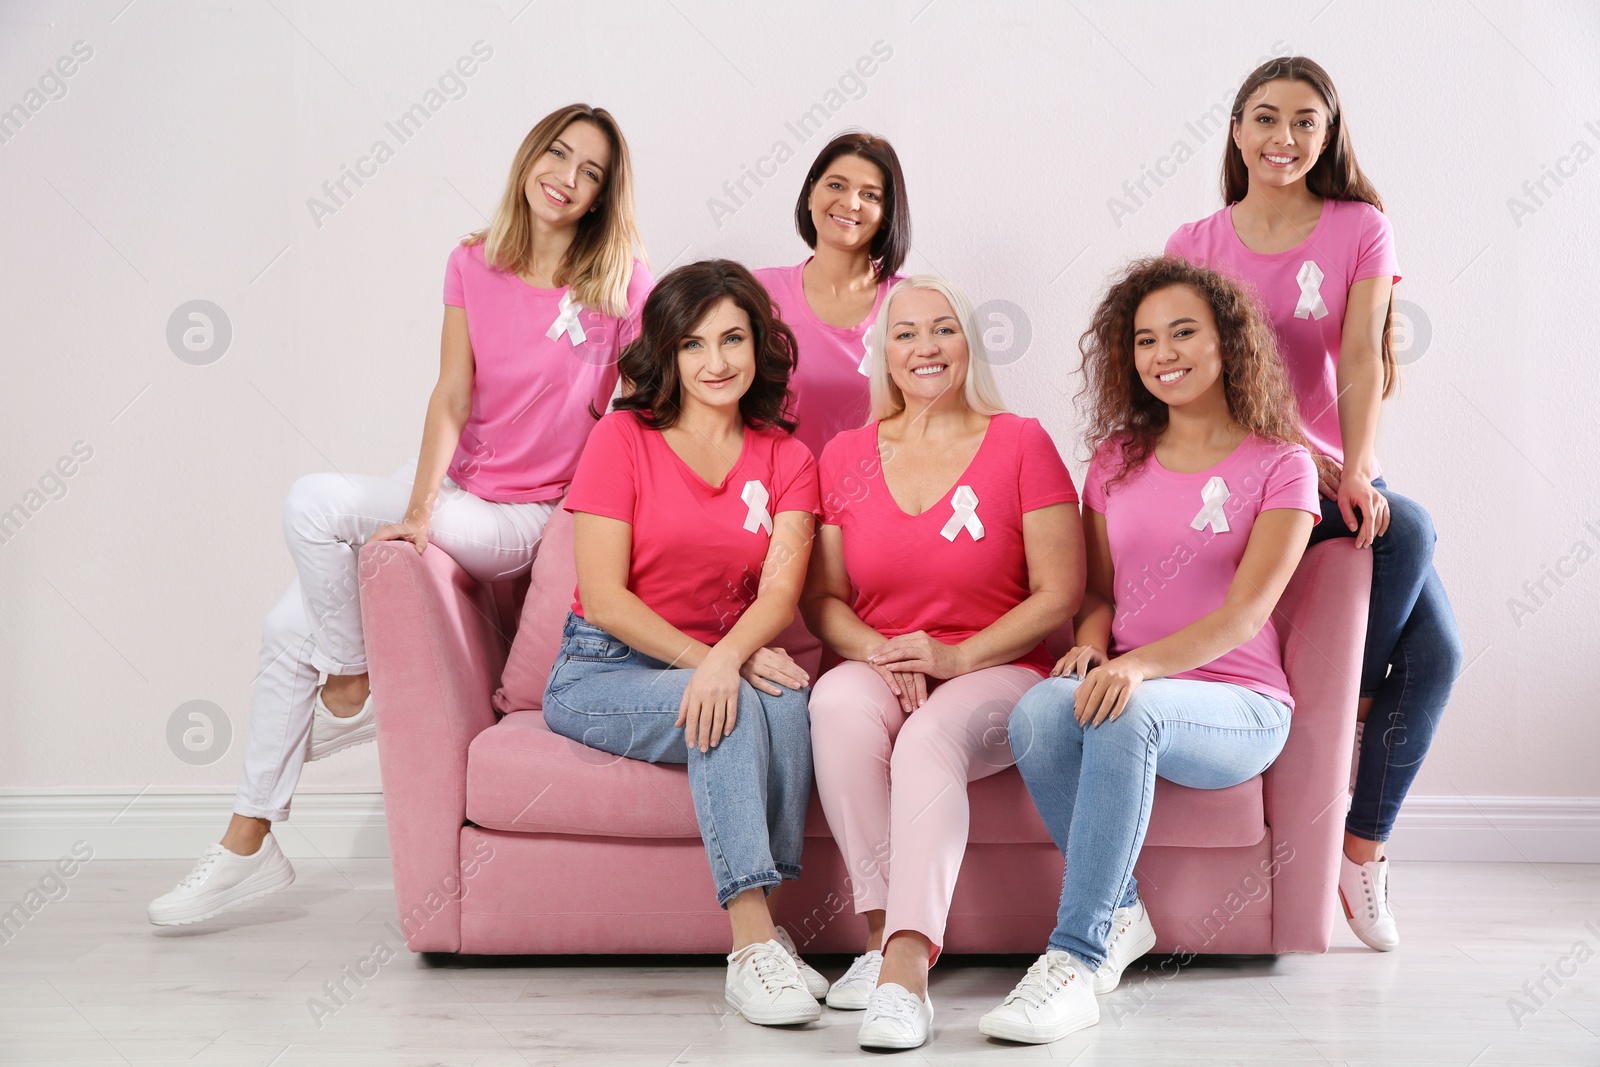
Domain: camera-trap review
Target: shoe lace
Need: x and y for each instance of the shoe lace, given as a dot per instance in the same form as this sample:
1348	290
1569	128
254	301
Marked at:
865	966
1047	976
776	970
208	860
893	1006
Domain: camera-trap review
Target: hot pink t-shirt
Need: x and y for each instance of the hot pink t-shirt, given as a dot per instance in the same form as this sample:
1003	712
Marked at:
1166	573
530	393
950	571
829	383
1352	241
698	548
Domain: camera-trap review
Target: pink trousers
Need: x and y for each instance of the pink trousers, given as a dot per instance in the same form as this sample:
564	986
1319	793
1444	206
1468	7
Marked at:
894	786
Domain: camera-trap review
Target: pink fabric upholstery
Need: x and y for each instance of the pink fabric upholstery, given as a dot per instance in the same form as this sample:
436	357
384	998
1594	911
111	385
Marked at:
506	838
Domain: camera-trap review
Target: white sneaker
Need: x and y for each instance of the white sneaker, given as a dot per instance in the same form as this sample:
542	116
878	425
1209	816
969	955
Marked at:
330	733
815	984
852	992
223	880
765	987
1364	892
1355	758
1055	998
1131	937
896	1018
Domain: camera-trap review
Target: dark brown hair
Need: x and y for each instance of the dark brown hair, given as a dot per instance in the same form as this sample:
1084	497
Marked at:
893	239
1253	379
680	300
1335	176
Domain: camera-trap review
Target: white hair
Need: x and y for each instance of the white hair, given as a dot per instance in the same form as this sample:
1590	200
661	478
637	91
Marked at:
980	392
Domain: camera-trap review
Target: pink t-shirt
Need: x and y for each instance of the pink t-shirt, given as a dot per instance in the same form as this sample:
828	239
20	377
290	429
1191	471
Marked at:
530	393
952	570
829	383
1352	241
698	548
1166	573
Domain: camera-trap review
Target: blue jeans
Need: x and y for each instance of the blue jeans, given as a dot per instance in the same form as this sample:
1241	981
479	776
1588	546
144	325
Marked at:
750	791
1093	784
1412	658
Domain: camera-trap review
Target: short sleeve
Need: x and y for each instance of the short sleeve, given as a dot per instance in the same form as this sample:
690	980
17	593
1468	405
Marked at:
794	477
454	288
1178	243
833	484
1292	483
606	481
639	285
1094	481
1042	479
1375	254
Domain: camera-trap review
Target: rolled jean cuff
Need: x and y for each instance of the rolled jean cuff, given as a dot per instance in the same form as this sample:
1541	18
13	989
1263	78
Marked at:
334	668
790	871
251	811
765	879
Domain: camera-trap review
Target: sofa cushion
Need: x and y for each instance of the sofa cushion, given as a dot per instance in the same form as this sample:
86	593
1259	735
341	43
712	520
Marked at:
520	776
544	612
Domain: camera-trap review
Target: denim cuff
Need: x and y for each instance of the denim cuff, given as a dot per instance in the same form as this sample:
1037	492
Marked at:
732	889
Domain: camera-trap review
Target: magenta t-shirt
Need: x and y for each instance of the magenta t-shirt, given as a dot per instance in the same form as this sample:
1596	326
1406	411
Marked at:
957	567
830	381
1305	291
698	548
1166	572
531	393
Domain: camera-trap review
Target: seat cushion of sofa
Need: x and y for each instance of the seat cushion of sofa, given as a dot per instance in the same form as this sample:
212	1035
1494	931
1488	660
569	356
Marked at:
521	776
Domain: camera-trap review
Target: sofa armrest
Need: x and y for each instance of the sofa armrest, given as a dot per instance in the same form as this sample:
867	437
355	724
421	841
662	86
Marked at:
435	652
1322	624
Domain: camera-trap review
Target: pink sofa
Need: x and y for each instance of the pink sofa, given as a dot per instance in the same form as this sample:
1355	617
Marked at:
506	838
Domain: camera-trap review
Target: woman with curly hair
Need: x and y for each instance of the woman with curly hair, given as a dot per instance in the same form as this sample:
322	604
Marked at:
1197	506
693	508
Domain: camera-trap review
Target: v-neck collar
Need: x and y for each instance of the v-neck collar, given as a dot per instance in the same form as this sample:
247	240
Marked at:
961	479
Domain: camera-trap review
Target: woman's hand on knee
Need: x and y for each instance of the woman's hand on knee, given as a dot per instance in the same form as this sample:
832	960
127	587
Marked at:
710	704
1078	661
911	689
922	653
410	529
1105	691
769	668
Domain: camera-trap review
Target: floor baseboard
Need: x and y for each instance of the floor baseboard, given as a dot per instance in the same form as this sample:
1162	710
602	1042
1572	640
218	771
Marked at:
179	825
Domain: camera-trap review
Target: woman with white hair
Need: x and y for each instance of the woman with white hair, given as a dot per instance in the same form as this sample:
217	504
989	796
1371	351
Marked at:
950	546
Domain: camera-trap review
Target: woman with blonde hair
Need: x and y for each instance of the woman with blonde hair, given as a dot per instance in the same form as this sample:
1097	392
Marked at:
537	308
949	549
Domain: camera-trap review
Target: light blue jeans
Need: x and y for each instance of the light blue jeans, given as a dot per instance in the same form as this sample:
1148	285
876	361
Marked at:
750	791
1093	784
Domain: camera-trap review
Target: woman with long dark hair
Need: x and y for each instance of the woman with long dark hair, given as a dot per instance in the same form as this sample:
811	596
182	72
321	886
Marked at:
1304	227
694	508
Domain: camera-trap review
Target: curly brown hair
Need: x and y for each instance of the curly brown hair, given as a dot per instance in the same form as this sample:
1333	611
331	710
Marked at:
680	300
1253	378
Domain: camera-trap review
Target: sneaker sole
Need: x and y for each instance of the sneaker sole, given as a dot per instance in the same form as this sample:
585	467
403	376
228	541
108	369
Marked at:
892	1042
229	901
1030	1034
1145	945
776	1016
360	736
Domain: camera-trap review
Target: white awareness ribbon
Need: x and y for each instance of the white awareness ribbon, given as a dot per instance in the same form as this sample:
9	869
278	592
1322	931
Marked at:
755	497
1215	494
567	321
865	366
965	503
1310	305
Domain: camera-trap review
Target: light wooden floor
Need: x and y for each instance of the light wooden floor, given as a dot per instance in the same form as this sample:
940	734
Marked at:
89	981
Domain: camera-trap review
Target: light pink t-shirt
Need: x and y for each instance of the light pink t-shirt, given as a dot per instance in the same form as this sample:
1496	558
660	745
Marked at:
829	384
908	575
1352	241
698	548
530	393
1166	573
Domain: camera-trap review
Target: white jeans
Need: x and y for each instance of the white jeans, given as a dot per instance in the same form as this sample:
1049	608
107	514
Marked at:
315	628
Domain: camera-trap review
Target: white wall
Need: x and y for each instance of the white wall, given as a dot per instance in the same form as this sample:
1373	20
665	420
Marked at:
179	163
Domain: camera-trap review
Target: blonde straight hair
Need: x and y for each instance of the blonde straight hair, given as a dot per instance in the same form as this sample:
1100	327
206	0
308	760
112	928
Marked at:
599	263
980	391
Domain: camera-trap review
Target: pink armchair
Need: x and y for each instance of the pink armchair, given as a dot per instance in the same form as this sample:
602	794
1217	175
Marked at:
506	838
